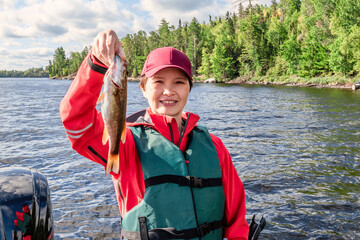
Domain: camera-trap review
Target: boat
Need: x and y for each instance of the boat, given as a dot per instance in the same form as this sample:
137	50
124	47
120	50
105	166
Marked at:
25	205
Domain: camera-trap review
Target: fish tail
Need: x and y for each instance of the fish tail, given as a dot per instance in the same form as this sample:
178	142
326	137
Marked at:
123	133
112	163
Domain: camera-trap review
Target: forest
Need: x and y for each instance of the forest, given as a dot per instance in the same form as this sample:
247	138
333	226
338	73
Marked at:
32	72
305	38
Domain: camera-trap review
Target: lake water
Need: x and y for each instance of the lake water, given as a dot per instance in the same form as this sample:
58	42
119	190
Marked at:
297	151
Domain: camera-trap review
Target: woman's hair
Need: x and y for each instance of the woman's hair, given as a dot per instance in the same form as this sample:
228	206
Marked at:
143	81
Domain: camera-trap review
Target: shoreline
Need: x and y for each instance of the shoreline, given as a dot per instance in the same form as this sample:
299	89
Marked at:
294	84
294	81
346	83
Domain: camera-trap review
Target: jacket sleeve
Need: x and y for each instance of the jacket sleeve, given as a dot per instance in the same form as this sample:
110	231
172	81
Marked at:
82	122
235	209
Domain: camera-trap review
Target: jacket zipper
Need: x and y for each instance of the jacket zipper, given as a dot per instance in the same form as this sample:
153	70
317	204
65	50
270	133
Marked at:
171	133
183	131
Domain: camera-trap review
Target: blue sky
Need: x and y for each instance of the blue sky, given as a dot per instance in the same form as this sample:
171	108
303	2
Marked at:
31	30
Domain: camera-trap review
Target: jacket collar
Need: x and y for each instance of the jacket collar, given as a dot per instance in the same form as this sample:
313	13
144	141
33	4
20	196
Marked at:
166	125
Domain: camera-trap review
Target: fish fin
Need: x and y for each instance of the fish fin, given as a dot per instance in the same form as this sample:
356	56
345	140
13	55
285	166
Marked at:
112	163
101	97
105	136
123	134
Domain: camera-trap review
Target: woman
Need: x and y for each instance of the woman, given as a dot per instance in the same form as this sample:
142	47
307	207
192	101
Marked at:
176	181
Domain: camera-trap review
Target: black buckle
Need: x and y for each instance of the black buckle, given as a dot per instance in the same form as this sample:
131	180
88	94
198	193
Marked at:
143	229
195	182
203	229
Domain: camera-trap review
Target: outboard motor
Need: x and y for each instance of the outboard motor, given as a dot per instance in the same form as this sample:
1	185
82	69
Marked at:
25	205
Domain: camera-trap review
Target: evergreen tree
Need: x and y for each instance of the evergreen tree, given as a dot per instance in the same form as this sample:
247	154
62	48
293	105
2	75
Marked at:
192	49
297	37
165	38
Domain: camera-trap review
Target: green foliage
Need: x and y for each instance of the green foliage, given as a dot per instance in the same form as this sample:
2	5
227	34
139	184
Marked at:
32	72
304	38
280	68
223	61
290	6
62	66
313	60
192	49
338	60
351	48
347	13
206	67
249	40
290	52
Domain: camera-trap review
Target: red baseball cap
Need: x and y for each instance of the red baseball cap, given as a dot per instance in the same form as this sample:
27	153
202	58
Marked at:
166	57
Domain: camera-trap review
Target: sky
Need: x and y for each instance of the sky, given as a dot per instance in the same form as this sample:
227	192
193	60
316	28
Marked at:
31	30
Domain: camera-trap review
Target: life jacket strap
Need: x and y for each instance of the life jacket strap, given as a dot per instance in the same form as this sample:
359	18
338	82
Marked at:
143	228
172	233
190	181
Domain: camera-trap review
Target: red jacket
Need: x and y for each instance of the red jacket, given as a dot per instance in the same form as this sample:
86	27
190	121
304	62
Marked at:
84	126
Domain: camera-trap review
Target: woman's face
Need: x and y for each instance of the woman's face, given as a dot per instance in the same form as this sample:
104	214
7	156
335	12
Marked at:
167	92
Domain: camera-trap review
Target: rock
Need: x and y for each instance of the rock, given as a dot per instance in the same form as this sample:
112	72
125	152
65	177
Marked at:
210	80
356	86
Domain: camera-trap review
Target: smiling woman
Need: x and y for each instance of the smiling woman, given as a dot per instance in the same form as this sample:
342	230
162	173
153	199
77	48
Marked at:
166	159
166	82
167	93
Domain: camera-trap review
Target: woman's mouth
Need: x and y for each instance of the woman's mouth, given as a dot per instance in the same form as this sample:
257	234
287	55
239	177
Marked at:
168	102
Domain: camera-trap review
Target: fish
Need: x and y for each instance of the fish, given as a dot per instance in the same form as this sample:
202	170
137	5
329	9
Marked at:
113	111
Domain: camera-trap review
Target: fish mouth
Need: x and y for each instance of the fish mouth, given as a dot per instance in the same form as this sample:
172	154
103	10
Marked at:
116	85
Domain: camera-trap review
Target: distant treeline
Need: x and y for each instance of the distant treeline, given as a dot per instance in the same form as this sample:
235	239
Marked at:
32	72
306	38
62	66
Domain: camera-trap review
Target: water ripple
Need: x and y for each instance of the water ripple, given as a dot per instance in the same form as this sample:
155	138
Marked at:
295	149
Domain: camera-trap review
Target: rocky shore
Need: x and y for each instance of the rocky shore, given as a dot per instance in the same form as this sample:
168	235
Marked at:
292	81
348	85
260	81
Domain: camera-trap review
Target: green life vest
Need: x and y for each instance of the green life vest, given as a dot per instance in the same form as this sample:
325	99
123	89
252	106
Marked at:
181	201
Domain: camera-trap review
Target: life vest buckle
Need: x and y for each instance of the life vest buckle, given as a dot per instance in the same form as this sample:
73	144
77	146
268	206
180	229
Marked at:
203	229
195	182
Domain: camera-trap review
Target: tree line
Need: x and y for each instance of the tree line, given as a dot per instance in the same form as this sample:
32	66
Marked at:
63	66
32	72
307	38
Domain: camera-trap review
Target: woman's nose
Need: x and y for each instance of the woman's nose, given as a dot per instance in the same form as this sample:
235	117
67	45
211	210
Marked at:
168	90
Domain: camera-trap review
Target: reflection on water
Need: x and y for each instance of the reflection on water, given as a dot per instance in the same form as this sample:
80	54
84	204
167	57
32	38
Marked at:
296	150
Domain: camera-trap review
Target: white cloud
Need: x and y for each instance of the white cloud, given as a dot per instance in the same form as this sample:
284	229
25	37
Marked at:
30	2
22	59
185	10
33	52
31	30
68	19
7	4
11	44
4	51
69	23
